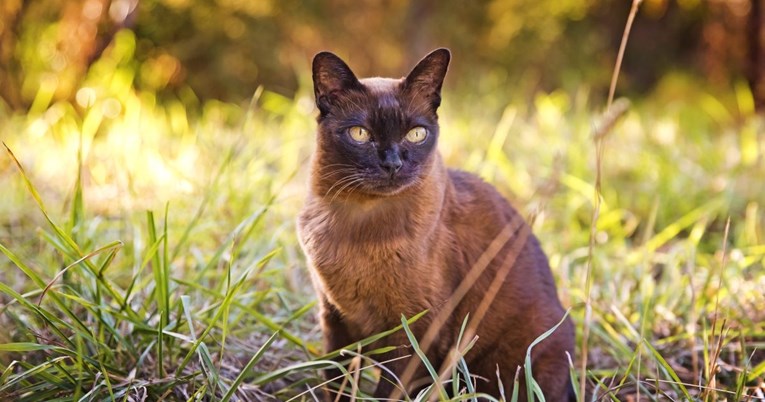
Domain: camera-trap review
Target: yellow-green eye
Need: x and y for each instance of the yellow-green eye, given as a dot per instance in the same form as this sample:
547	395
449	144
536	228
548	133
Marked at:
359	134
416	135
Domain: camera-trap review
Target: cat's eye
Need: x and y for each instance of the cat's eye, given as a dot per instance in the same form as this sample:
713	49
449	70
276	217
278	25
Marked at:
416	135
359	134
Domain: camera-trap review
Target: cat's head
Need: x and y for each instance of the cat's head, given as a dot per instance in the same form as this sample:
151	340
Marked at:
376	136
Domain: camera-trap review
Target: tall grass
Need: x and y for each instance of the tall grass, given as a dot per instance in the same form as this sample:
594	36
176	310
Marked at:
149	250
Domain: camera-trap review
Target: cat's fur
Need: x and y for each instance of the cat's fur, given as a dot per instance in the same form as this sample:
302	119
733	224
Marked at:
381	245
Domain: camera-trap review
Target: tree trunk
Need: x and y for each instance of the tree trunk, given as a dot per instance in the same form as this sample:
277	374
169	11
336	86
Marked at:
756	52
416	38
10	79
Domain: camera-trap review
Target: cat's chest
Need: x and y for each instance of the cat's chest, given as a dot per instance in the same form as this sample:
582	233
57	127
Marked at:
372	276
350	241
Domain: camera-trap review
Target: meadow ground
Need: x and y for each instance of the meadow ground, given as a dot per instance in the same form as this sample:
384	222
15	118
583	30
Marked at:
149	247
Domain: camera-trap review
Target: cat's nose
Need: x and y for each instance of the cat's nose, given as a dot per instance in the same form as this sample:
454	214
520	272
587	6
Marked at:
391	161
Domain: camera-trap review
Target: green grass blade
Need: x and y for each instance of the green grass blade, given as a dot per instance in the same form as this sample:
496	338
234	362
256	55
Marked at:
250	221
147	258
165	267
247	367
55	323
23	347
431	370
8	371
33	371
160	346
668	369
212	375
31	274
229	297
574	378
371	339
77	213
756	372
516	386
160	283
299	367
532	387
113	247
672	230
69	246
107	381
258	316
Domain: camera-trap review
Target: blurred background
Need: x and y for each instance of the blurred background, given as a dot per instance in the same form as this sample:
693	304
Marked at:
225	49
141	100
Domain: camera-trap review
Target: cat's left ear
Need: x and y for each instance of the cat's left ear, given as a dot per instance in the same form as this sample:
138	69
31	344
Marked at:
427	76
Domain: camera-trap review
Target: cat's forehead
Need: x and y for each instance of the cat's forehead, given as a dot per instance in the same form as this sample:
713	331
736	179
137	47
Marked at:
384	90
379	85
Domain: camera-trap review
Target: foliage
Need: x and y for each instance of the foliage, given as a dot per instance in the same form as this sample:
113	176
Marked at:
223	49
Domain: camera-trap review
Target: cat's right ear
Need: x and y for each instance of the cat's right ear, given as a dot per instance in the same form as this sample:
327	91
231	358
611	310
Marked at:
331	77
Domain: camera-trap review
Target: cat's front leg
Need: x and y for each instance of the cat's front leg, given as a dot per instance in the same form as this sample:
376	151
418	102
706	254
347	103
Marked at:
336	336
395	363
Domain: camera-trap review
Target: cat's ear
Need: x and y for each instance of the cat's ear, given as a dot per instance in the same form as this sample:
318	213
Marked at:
427	76
331	76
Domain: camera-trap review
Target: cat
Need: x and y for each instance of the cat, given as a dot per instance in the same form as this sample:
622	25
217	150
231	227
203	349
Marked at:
388	230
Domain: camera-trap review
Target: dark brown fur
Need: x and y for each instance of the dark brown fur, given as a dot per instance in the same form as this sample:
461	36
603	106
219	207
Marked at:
381	245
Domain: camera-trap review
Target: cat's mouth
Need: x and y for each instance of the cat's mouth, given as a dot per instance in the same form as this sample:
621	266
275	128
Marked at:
385	186
370	184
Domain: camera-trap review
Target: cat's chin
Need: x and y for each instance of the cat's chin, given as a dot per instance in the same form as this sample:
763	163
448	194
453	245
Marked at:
387	188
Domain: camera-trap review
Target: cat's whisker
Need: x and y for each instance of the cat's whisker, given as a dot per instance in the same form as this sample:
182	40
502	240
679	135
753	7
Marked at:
357	180
350	189
353	188
344	172
354	165
343	182
339	183
339	168
327	175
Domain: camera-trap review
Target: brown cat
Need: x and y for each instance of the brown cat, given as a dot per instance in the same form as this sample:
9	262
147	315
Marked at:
389	231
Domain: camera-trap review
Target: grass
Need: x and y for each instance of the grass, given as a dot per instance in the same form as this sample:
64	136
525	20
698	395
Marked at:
149	250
